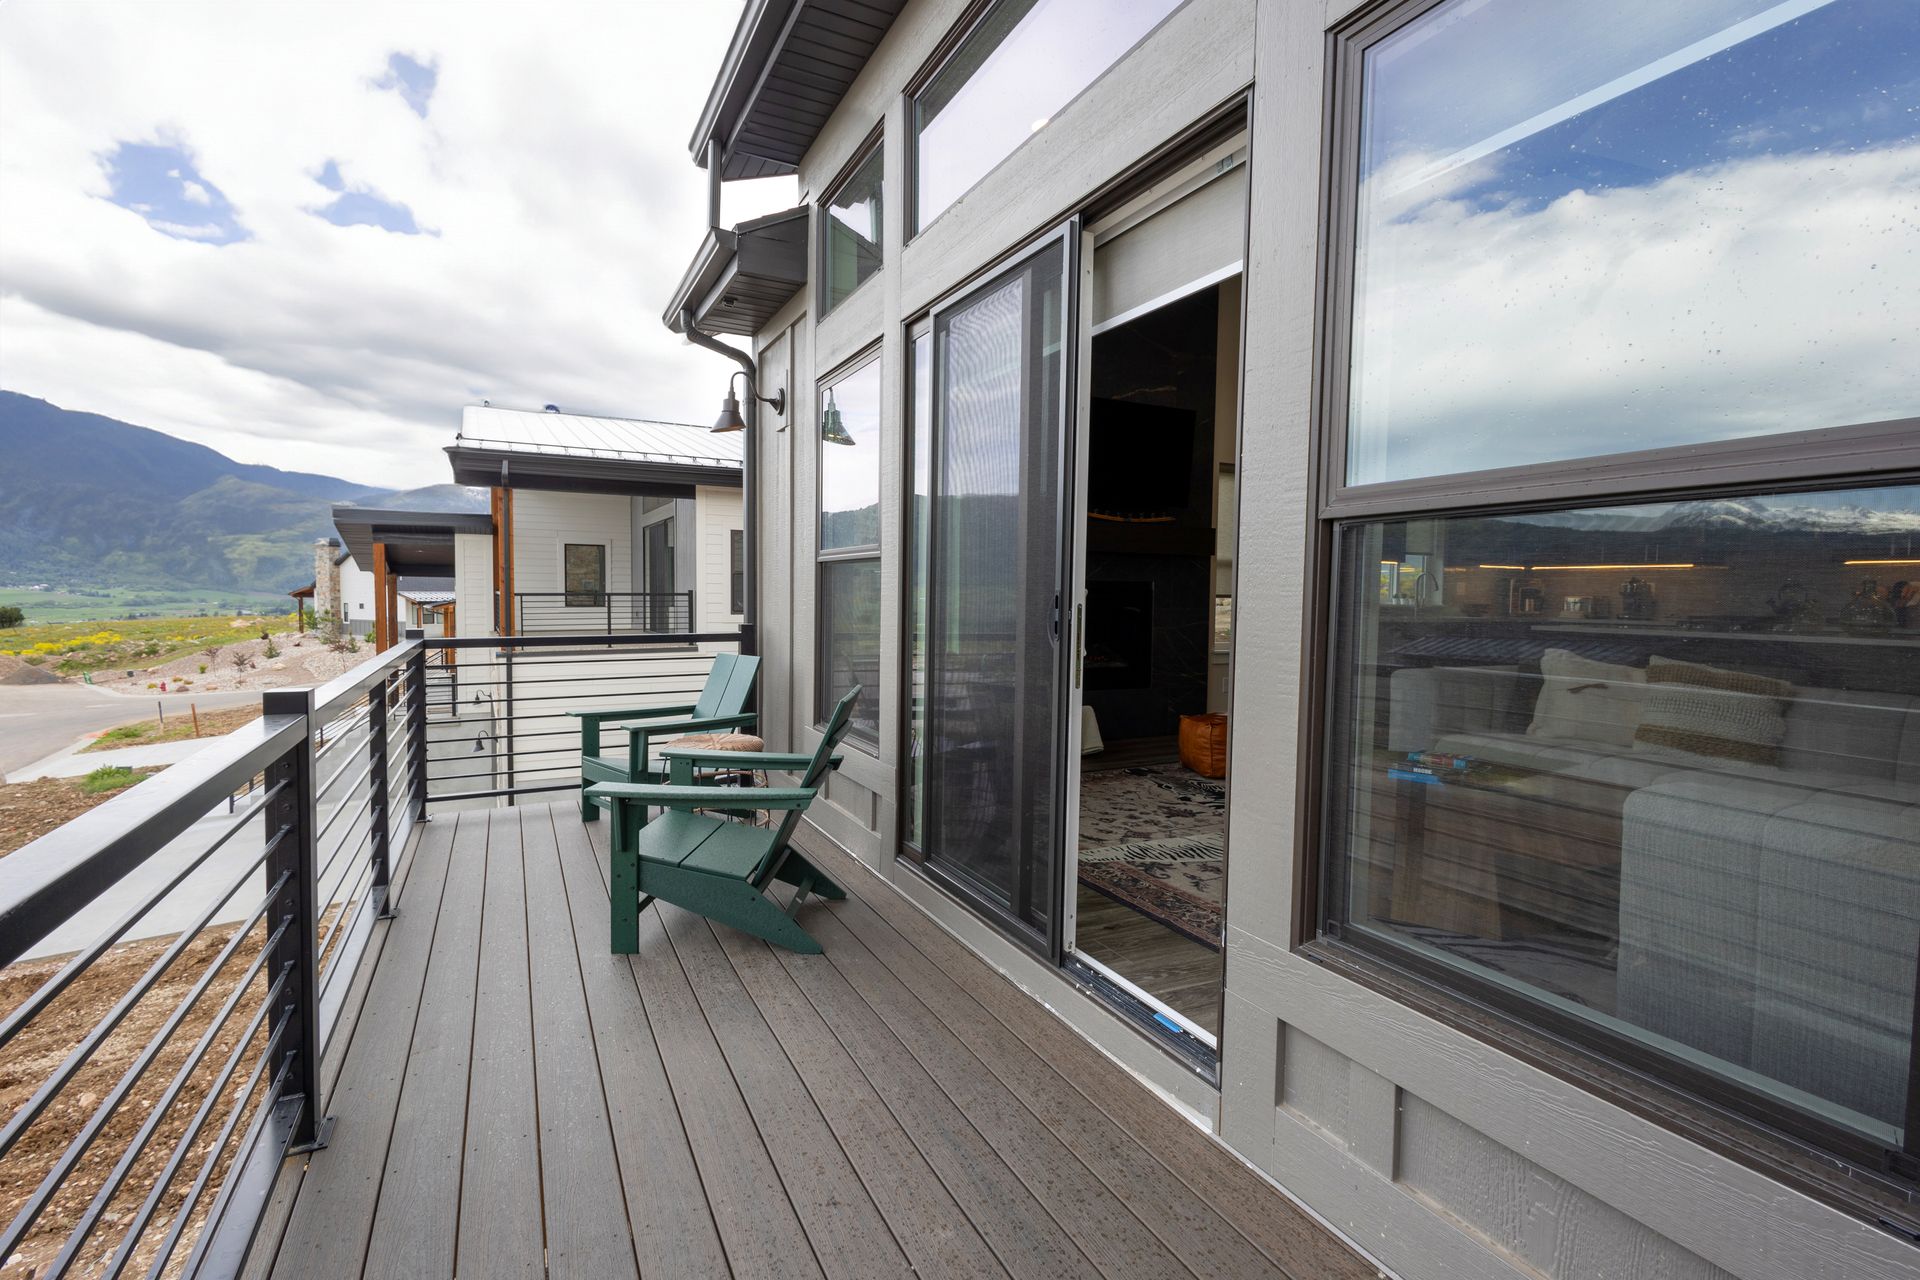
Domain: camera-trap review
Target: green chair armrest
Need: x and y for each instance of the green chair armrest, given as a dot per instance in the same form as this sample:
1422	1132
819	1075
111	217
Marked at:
709	759
726	798
632	713
687	726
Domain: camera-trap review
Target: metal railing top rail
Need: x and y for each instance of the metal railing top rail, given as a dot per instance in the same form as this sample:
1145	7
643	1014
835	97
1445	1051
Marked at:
345	689
62	871
591	639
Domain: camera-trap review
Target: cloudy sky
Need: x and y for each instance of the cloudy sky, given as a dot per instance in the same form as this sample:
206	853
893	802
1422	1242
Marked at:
306	233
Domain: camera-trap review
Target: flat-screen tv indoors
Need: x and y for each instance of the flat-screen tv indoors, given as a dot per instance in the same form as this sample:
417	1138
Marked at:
1140	458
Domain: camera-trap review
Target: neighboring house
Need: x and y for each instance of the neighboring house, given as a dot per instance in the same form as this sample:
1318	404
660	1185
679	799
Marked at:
1507	418
414	557
601	524
341	589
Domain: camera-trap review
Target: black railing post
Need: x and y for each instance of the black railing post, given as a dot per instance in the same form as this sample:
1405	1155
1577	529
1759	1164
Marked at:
608	598
690	626
417	726
292	826
377	698
509	665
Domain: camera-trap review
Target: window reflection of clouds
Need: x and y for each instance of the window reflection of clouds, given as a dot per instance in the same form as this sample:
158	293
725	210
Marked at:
1721	250
850	474
1049	55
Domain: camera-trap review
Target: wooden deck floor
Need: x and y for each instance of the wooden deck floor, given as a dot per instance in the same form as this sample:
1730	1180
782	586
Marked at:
516	1101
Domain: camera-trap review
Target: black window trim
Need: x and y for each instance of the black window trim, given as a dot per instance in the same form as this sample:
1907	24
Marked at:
869	147
1834	1165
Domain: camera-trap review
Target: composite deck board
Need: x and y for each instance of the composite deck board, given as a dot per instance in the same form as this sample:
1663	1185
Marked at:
759	1227
327	1231
667	1211
500	1211
579	1174
1110	1234
850	1238
1291	1239
419	1215
1181	1220
515	1100
930	1226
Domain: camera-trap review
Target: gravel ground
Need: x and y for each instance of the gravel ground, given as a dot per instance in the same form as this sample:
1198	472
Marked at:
303	659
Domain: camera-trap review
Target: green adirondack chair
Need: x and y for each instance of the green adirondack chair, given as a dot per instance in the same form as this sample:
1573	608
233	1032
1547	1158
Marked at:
719	708
709	865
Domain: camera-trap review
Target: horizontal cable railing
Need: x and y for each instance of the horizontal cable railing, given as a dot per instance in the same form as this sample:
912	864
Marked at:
547	613
508	734
176	962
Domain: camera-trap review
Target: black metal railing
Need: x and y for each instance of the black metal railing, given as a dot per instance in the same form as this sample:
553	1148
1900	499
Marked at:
203	930
205	946
607	613
506	734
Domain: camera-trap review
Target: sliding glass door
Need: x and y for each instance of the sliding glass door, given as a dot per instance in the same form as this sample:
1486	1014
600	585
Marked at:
991	704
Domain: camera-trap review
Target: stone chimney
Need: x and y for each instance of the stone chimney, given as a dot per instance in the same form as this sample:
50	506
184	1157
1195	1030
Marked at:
326	579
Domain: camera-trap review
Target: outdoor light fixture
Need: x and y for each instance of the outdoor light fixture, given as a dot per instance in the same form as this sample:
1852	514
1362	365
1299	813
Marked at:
730	419
832	429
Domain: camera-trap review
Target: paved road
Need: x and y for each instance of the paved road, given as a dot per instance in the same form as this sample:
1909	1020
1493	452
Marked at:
37	720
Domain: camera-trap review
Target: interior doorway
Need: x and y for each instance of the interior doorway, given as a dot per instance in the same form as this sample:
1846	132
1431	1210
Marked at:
1156	525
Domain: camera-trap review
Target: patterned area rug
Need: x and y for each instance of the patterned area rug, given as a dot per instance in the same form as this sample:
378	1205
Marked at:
1153	839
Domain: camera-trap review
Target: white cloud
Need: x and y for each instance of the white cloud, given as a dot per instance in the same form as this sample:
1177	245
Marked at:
1764	294
552	164
195	192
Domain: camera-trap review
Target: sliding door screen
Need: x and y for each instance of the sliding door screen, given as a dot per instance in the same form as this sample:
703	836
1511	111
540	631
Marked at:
992	693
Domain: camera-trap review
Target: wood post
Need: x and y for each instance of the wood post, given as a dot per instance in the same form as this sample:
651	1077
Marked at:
383	597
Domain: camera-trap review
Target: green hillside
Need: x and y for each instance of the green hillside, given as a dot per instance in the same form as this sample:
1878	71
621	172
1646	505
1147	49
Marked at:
91	504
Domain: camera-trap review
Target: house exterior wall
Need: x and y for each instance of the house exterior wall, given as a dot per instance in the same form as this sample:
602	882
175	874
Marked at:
356	595
1437	1153
544	521
473	584
716	514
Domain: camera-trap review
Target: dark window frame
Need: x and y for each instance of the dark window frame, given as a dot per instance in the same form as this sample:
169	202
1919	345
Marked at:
595	599
873	145
859	735
943	53
736	571
1833	1165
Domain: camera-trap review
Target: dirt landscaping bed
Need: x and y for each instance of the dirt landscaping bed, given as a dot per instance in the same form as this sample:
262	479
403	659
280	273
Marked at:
28	810
40	1048
182	724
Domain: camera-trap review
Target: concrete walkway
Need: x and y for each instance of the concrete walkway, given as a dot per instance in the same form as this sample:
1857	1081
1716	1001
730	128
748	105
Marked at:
75	761
40	720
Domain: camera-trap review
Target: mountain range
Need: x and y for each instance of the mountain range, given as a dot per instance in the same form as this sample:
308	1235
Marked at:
90	501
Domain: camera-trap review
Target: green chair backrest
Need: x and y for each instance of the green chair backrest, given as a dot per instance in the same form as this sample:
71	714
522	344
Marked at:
816	771
728	683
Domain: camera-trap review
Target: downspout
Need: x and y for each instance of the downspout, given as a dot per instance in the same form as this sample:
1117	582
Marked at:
749	474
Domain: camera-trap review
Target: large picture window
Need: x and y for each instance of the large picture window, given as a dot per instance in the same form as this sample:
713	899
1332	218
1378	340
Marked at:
1640	768
848	603
1655	766
851	248
1022	62
1631	245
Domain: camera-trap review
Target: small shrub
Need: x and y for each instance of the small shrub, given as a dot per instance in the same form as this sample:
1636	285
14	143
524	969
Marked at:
241	660
108	777
12	615
213	653
203	668
273	650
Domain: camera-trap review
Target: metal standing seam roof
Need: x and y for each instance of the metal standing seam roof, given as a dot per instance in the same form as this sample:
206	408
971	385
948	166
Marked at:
578	435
